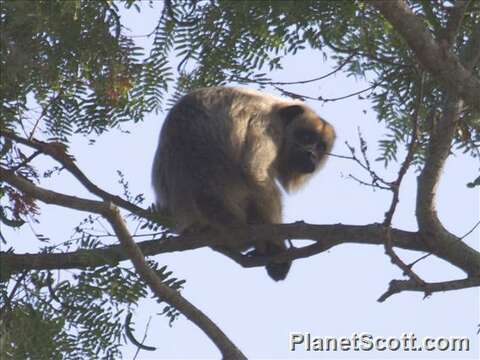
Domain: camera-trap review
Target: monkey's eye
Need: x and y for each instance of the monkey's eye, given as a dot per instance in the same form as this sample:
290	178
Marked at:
321	146
306	137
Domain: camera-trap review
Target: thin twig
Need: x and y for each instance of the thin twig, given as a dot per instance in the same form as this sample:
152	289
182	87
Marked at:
395	187
10	297
26	161
265	82
412	146
364	183
295	95
412	264
144	337
42	114
470	231
376	179
397	286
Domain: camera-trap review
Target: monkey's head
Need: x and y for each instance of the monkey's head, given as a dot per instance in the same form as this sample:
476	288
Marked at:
307	141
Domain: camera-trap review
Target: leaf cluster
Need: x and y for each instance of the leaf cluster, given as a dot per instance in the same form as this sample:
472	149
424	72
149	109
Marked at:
79	317
222	42
72	62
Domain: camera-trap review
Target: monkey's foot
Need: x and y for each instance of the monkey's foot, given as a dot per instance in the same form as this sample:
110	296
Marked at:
278	271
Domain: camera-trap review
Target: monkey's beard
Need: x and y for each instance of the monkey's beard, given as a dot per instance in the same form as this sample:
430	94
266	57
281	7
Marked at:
303	162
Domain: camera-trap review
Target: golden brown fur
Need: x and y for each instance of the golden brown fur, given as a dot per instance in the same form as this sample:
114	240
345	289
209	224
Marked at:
220	151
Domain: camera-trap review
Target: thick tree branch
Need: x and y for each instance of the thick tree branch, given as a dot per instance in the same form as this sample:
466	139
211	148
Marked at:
440	239
325	236
438	152
49	196
165	293
131	251
438	60
57	152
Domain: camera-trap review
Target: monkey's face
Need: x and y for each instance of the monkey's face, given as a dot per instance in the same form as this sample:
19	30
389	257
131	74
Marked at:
307	141
307	150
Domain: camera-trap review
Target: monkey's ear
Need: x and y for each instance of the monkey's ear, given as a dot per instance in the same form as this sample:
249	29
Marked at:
288	113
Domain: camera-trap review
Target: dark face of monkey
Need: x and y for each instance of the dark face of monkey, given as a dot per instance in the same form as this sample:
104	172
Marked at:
307	150
307	140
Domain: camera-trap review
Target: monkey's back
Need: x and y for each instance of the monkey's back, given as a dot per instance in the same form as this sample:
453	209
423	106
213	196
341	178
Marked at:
202	146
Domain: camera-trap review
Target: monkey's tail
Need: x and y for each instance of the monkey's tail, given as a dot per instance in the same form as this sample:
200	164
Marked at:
277	271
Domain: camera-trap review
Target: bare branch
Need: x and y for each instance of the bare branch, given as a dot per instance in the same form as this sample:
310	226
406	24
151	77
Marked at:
26	161
280	83
397	286
439	61
464	257
43	112
395	187
322	99
57	152
412	146
441	240
423	257
407	270
377	180
51	197
373	184
165	293
438	152
471	230
325	236
111	213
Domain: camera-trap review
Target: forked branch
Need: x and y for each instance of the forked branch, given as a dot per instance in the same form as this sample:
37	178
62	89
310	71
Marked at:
438	60
111	213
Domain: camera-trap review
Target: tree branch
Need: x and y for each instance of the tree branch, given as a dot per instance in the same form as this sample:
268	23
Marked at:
111	213
439	61
49	196
397	286
165	293
282	83
426	213
395	188
325	236
438	152
57	152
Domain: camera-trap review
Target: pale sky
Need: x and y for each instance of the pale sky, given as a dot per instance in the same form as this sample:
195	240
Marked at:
331	294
